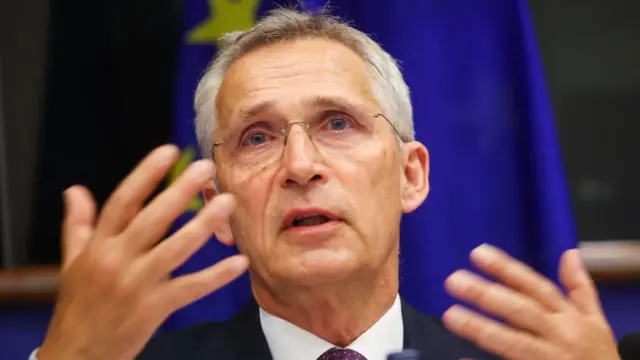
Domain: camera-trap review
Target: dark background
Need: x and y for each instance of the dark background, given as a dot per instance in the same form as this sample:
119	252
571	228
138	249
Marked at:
88	91
591	53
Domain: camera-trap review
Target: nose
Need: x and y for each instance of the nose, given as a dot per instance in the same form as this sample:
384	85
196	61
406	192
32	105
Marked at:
300	165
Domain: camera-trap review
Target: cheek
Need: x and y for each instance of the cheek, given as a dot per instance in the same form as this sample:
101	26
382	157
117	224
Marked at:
373	172
252	195
373	179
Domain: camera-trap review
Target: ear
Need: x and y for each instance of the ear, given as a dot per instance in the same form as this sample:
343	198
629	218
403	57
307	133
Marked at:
223	233
209	191
415	184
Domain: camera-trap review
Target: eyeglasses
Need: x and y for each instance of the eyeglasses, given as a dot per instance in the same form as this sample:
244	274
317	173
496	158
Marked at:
332	133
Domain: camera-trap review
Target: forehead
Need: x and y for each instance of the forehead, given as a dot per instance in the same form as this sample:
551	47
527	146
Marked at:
292	74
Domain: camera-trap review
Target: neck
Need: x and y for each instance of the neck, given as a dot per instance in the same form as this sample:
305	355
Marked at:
338	313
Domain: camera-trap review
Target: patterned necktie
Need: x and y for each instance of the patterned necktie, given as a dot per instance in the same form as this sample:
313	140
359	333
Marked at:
341	354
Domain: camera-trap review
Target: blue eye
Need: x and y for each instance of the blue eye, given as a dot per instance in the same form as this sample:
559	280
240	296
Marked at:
338	124
255	139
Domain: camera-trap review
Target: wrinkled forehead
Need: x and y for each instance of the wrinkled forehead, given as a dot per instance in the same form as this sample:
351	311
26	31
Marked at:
294	76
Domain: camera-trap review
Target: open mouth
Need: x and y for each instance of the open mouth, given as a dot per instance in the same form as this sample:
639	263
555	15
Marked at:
310	220
300	218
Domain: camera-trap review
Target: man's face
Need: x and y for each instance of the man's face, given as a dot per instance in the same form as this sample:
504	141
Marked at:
315	210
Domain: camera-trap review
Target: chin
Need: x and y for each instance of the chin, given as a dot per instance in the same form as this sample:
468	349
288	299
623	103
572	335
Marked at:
317	266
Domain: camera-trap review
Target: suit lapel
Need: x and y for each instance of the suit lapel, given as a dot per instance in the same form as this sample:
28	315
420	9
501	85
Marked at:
415	336
248	338
428	335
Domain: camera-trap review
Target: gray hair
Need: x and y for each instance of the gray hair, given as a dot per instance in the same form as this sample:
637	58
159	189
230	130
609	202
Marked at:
388	85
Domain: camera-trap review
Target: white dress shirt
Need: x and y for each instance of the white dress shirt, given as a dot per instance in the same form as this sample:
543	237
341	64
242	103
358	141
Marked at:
289	342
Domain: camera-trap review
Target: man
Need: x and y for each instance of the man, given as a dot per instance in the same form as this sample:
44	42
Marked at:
309	124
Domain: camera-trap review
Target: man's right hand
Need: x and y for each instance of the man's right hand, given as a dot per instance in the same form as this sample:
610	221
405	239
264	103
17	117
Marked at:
116	287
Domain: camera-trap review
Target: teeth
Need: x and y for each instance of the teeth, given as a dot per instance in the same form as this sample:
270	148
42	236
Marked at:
310	220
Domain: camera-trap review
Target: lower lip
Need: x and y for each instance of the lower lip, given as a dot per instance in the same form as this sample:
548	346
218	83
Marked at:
314	229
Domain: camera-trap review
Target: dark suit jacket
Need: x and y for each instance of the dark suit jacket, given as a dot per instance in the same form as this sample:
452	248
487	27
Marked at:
241	338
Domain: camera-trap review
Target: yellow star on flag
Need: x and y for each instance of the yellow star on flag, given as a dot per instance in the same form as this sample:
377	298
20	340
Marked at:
224	16
186	158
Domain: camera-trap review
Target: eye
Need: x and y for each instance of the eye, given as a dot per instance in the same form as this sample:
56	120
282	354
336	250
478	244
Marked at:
257	134
338	122
255	138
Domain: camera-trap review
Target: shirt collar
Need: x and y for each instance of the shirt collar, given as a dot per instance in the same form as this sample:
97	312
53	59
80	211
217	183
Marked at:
289	342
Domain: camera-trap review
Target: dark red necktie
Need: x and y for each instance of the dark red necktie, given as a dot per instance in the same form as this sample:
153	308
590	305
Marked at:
341	354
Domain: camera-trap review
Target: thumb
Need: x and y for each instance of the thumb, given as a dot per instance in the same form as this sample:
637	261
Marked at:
578	283
78	223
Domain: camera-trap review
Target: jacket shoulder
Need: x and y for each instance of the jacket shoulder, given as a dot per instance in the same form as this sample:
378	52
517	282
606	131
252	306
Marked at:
239	338
193	342
428	334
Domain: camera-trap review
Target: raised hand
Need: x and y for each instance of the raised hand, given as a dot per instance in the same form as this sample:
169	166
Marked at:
116	288
540	321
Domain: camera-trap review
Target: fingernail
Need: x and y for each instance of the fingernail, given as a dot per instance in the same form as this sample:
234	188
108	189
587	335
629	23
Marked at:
484	253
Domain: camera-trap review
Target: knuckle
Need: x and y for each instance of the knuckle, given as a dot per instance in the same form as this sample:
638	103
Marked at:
152	305
125	287
110	274
516	309
547	325
119	207
120	199
510	347
483	295
200	226
106	264
472	327
485	335
573	337
548	291
185	187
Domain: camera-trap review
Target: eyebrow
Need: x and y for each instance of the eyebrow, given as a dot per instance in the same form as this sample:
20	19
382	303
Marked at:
255	109
314	101
327	101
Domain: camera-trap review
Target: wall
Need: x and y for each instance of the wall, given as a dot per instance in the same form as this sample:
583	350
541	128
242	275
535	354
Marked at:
590	57
23	39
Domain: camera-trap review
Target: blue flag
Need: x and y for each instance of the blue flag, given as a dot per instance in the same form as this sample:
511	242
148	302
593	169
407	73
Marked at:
482	110
480	107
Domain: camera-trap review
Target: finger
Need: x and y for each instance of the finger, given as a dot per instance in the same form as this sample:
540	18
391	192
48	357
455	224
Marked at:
78	222
519	276
579	285
186	289
176	249
494	337
125	202
156	218
496	299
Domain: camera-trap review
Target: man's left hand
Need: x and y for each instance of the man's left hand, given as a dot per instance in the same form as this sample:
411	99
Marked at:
541	322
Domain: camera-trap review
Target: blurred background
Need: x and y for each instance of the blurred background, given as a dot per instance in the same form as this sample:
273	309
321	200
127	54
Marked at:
87	88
